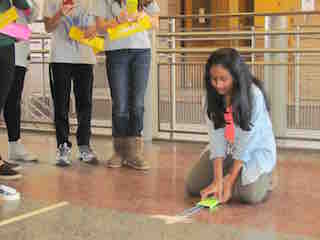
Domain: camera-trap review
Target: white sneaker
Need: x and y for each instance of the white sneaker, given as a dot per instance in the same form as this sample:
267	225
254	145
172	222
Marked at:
8	193
17	152
87	155
63	158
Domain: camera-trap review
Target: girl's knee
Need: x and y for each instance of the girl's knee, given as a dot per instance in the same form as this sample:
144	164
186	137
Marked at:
253	196
191	190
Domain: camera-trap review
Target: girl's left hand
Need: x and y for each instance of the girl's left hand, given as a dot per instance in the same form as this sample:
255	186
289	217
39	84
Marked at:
141	15
123	17
90	32
137	16
215	189
227	189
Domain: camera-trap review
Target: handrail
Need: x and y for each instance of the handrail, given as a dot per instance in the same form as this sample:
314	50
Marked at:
41	36
211	39
40	51
211	28
241	50
307	25
260	63
239	33
236	14
244	14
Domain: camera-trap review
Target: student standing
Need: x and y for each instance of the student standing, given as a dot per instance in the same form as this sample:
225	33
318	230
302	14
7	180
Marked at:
71	60
12	108
7	68
128	66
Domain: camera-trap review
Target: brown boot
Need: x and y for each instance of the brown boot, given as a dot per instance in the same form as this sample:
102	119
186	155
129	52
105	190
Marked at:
135	158
116	161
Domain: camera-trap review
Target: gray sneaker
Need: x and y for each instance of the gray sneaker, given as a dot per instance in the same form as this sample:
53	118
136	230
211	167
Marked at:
86	155
17	152
63	158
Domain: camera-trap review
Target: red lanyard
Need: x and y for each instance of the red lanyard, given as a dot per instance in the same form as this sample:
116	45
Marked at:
229	129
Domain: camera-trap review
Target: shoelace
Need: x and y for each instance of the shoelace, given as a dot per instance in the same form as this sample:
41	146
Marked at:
87	153
63	150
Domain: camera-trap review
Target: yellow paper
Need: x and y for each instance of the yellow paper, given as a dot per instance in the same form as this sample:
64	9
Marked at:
96	51
132	6
8	17
97	43
125	30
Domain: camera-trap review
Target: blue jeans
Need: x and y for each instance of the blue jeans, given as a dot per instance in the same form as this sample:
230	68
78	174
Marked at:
128	74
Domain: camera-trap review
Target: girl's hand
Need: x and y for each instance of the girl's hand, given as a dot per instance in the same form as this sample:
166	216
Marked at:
227	189
66	10
123	17
215	189
139	15
90	32
112	23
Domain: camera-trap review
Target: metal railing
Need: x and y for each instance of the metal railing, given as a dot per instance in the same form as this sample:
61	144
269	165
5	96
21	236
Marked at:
177	78
180	75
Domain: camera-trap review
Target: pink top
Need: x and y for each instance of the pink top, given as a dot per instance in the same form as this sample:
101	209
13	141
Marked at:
27	12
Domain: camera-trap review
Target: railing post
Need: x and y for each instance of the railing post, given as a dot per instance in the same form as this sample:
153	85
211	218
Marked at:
43	69
278	75
253	46
151	98
173	80
267	58
297	79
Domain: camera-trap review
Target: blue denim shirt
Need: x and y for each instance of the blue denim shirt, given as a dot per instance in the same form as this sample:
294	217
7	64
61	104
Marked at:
256	148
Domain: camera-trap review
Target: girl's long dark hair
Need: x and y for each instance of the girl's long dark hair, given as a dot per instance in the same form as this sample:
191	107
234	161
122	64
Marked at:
141	3
241	98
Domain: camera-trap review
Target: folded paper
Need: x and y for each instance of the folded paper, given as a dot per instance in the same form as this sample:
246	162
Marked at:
209	203
132	6
125	30
97	43
8	17
17	31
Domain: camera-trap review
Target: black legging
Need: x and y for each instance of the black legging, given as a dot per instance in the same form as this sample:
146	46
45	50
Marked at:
7	66
12	108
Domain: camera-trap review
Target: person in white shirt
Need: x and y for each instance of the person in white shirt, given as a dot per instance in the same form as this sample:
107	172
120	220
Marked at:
69	61
12	108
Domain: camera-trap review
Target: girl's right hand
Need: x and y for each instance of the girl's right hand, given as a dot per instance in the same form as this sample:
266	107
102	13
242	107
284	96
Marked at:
90	32
66	10
123	17
215	189
112	24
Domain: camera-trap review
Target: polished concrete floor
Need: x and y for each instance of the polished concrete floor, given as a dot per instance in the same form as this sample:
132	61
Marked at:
122	203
